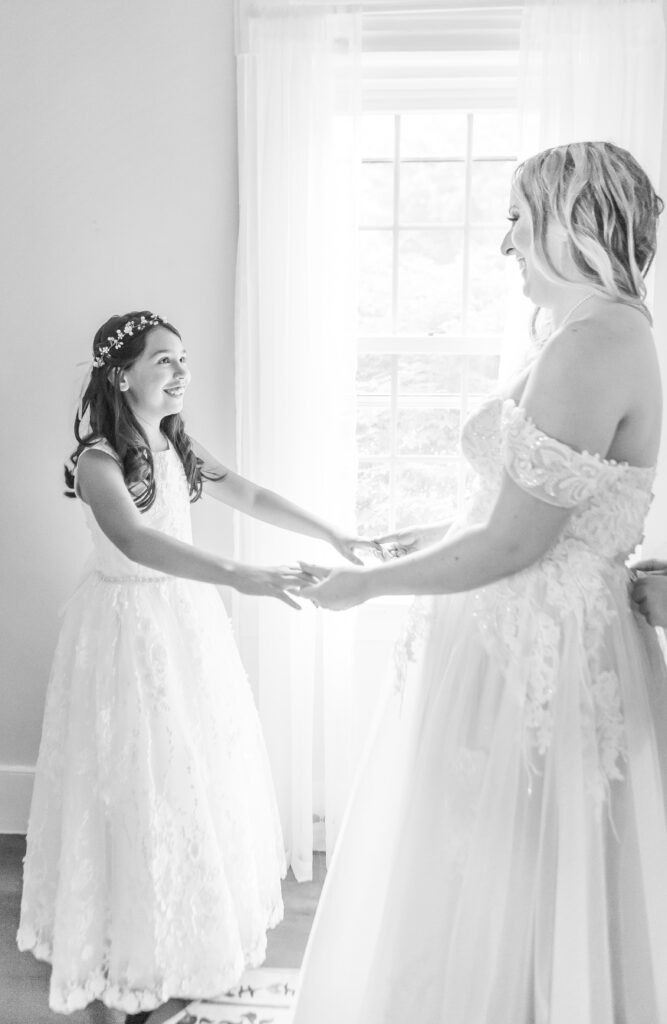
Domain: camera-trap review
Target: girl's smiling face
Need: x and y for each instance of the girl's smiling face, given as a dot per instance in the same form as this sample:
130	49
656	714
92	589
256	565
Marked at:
155	383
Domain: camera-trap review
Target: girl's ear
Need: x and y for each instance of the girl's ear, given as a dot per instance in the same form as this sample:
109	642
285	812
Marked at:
116	374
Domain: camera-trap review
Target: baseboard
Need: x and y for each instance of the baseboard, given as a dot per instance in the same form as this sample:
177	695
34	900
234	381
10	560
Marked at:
15	795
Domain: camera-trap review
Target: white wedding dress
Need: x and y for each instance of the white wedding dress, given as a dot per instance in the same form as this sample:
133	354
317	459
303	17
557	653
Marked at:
154	846
504	856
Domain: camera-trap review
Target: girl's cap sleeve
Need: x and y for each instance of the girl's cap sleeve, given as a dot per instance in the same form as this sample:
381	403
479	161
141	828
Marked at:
100	445
550	469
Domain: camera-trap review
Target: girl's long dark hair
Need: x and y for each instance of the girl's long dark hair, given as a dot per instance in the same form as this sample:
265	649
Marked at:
110	417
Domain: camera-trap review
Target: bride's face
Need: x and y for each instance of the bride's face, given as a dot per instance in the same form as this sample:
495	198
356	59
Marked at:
519	242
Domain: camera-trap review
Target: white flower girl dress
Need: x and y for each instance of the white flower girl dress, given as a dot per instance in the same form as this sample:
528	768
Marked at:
504	855
154	846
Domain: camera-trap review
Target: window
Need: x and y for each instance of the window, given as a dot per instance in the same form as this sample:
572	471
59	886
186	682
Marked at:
432	287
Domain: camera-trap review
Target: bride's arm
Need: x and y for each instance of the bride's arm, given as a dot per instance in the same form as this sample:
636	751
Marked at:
520	531
576	394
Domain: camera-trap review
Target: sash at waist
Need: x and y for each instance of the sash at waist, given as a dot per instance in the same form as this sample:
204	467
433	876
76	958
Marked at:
106	578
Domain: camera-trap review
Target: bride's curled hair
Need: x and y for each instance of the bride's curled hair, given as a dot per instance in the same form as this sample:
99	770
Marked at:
605	203
110	417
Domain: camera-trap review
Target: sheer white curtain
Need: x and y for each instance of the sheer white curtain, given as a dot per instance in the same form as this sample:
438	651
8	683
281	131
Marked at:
589	70
593	69
298	99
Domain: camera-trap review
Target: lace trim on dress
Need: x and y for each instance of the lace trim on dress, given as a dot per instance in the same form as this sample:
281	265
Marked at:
411	640
124	994
550	469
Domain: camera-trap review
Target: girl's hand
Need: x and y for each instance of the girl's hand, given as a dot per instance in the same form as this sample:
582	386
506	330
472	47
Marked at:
348	546
335	589
407	541
273	582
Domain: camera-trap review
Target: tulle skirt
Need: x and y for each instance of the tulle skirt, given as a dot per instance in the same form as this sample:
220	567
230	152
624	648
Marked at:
504	856
154	851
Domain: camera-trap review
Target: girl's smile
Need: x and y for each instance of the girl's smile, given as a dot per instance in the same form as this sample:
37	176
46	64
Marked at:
155	383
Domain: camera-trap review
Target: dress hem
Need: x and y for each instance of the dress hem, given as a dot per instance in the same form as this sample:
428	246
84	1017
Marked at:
129	1000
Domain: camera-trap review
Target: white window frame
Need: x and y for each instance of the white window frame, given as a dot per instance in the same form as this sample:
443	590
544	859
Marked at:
395	344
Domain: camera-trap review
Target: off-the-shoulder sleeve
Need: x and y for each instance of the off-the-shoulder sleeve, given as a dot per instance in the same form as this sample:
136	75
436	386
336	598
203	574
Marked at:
550	469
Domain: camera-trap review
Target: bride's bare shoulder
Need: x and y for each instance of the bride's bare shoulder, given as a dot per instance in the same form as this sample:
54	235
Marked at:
613	343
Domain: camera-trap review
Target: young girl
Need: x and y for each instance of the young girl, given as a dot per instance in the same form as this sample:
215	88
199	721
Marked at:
154	851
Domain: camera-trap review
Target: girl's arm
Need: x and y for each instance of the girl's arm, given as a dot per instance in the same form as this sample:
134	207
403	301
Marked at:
101	485
261	503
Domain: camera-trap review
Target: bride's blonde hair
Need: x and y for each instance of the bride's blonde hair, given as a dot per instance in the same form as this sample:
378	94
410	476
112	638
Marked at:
605	203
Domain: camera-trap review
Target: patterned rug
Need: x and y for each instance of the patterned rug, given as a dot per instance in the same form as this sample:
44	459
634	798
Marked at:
263	996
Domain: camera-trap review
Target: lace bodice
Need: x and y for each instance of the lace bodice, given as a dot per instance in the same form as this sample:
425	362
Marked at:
577	585
170	513
609	499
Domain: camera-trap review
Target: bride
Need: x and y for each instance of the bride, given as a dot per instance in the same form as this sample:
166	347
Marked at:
504	855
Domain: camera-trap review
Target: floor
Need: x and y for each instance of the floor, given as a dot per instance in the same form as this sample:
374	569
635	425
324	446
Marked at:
24	980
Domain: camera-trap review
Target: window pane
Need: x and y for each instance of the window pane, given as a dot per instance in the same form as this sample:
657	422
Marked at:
482	374
425	493
374	374
428	431
376	202
430	281
439	134
486	312
426	374
377	136
373	499
432	193
373	431
494	133
490	191
375	254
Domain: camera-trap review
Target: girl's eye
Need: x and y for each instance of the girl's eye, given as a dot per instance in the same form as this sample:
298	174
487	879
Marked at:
513	218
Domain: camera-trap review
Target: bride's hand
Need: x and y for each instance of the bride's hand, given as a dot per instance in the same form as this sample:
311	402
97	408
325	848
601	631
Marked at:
411	539
335	589
349	546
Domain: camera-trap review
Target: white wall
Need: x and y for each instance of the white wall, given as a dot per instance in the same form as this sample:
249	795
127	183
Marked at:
118	191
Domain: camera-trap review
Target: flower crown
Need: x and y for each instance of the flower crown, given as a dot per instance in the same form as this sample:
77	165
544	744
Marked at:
117	341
